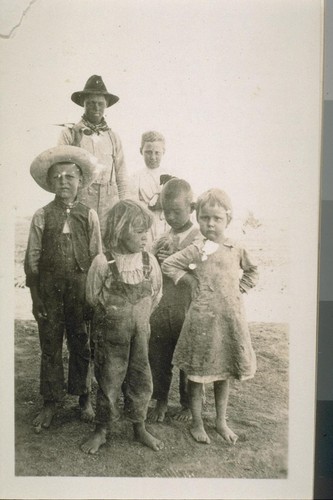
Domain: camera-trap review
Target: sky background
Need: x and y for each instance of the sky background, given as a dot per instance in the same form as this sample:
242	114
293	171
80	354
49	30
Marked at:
225	81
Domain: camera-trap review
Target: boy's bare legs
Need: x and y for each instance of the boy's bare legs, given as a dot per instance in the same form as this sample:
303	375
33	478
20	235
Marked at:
157	414
87	412
93	444
197	428
143	436
44	418
221	393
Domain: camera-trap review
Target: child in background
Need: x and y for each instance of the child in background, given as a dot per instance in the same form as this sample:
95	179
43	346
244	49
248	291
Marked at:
146	182
124	286
167	320
64	238
214	344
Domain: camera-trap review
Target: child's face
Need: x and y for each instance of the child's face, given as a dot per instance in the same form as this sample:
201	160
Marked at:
152	153
64	180
213	221
135	239
177	211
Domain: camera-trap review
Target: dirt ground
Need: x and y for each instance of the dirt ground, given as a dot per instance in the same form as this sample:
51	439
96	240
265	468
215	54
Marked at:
258	408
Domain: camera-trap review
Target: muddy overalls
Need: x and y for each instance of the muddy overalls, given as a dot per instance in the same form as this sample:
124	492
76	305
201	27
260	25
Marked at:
121	334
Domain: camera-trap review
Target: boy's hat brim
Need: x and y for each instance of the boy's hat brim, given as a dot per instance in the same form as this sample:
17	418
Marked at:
94	85
88	164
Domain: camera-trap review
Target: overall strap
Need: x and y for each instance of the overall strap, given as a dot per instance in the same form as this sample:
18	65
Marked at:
145	265
113	156
112	265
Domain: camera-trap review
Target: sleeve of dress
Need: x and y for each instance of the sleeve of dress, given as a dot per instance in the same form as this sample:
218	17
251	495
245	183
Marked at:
178	264
95	279
65	137
120	168
250	272
34	248
156	277
95	240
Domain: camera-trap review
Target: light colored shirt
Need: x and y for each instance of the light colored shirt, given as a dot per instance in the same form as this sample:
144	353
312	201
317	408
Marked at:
130	269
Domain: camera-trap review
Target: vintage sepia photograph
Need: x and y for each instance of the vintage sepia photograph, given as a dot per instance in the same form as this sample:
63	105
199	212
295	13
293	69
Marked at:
160	208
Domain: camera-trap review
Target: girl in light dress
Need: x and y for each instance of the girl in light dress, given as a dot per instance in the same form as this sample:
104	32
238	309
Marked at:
214	344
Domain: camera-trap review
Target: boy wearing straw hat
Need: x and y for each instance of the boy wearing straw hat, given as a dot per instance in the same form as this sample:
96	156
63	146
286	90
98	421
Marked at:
64	238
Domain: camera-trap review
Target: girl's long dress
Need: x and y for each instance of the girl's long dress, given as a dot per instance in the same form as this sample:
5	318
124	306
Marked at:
215	339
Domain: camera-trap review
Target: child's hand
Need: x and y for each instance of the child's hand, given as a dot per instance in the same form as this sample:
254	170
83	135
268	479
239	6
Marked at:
163	253
38	310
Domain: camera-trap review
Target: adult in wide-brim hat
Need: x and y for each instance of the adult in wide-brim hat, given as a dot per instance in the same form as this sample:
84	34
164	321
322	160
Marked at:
94	85
87	163
93	134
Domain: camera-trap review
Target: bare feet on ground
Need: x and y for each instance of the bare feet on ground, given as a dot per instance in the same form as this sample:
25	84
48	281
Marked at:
157	414
44	418
183	415
226	432
87	412
92	445
143	436
199	434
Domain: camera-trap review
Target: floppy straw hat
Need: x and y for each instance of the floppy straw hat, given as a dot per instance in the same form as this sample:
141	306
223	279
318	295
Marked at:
88	163
94	85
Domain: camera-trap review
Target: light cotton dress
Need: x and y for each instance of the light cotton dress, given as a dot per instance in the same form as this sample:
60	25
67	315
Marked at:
214	343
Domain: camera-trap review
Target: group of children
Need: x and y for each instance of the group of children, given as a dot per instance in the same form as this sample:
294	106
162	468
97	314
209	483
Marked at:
179	304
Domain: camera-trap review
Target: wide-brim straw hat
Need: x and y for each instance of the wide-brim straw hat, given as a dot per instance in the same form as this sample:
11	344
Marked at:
88	164
94	85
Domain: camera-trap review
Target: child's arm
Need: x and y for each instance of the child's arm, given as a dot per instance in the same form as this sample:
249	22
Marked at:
95	239
95	279
250	272
31	263
162	247
179	264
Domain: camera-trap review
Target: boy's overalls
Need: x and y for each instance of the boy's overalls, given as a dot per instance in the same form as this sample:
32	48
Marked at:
121	334
63	270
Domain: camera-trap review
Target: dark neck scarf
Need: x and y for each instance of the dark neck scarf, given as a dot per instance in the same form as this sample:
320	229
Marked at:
95	128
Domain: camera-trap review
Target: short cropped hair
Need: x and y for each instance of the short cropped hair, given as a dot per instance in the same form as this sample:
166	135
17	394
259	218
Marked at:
214	197
124	216
176	187
151	136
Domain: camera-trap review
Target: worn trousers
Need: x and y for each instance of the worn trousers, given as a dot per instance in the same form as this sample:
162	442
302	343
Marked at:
166	323
64	300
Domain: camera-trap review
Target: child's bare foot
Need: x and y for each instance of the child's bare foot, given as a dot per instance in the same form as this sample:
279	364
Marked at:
143	436
44	418
87	412
183	415
93	444
199	433
226	432
157	414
